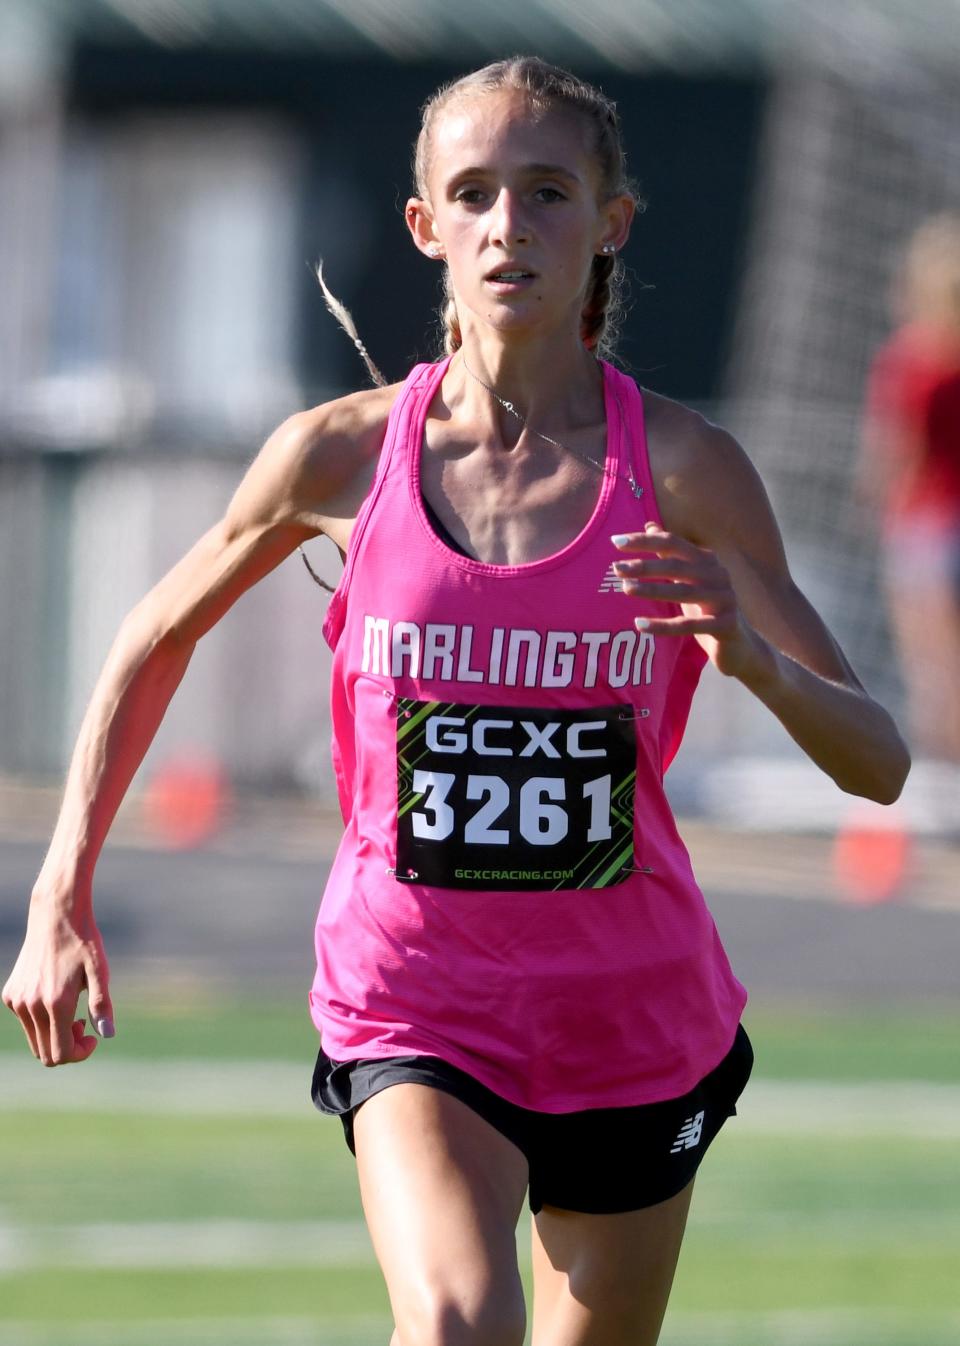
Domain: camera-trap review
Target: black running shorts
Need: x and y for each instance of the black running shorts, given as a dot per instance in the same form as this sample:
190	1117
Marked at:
599	1161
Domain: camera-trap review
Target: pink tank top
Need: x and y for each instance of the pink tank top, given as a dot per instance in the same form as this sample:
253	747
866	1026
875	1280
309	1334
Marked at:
510	893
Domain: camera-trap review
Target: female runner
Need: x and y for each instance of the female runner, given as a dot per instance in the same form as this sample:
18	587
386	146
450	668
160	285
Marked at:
909	470
539	560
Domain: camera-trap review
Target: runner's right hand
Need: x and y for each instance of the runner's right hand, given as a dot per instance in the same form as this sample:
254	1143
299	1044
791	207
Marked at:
61	955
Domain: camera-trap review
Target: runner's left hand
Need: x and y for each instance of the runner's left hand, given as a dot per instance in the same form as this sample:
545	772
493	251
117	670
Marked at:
674	570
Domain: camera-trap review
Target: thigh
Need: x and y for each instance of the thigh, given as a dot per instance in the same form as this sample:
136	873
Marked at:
926	628
442	1191
604	1280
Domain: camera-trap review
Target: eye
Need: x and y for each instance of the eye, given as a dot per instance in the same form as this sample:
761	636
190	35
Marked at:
469	196
549	194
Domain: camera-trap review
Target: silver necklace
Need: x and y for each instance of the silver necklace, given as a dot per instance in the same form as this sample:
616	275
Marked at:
577	453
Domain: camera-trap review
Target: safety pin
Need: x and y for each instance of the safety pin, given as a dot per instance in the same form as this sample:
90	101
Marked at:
637	869
640	713
392	696
411	876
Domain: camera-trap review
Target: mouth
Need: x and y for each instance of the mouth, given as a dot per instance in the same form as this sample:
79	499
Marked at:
510	277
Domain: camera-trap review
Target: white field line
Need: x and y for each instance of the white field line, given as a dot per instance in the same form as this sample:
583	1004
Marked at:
198	1088
800	1327
811	1327
235	1245
872	1228
188	1087
186	1245
363	1330
916	1109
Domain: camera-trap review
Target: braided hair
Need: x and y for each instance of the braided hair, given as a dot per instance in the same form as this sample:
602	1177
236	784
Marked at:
546	86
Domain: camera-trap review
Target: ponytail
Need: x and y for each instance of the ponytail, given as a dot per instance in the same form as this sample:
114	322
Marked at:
602	305
450	321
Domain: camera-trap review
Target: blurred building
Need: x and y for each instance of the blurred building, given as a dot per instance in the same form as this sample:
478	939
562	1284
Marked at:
169	171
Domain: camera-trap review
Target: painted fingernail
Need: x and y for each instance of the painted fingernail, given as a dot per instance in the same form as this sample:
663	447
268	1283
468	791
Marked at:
103	1027
651	527
641	623
620	539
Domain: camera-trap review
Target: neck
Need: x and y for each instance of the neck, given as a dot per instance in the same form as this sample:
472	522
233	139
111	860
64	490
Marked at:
554	385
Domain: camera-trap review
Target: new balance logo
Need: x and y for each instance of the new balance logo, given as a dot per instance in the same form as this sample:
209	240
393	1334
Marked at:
611	582
689	1134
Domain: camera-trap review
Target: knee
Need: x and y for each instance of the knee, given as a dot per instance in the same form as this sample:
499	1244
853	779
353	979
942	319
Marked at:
496	1317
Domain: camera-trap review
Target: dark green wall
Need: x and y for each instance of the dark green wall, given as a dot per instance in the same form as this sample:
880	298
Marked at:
691	144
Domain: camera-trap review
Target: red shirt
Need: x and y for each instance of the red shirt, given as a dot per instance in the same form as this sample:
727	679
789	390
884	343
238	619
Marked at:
914	390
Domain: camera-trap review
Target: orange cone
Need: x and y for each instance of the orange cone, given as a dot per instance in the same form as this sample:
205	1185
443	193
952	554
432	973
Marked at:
871	858
186	801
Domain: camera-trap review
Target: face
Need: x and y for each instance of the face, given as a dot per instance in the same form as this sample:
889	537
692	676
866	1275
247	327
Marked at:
515	209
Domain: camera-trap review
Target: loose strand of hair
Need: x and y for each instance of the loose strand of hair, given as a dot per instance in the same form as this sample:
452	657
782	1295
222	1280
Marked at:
317	579
345	318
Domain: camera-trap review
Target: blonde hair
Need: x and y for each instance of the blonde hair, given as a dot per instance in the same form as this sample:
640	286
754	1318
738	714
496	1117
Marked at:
929	282
546	87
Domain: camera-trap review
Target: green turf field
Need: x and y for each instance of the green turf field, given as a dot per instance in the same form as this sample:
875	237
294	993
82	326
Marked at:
184	1193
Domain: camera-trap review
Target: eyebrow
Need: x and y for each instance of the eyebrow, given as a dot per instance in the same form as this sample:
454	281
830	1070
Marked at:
534	170
552	171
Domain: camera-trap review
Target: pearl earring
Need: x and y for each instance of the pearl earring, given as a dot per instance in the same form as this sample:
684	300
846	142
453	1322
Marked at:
608	248
433	250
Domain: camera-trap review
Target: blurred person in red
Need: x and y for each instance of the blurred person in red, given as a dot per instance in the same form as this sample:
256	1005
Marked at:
910	472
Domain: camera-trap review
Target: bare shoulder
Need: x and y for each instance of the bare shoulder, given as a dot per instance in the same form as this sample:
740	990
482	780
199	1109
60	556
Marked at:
707	488
318	464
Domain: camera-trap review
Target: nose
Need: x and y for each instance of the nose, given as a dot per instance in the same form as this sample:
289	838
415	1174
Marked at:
509	224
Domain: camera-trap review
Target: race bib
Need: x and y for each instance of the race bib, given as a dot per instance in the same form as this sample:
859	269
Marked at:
514	798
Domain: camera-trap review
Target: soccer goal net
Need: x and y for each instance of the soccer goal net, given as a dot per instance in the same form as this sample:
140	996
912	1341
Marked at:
861	144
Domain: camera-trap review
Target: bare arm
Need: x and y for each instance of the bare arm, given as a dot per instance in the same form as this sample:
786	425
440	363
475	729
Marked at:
720	554
891	456
308	479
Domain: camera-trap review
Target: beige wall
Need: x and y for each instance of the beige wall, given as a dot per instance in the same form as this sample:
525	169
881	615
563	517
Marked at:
78	552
